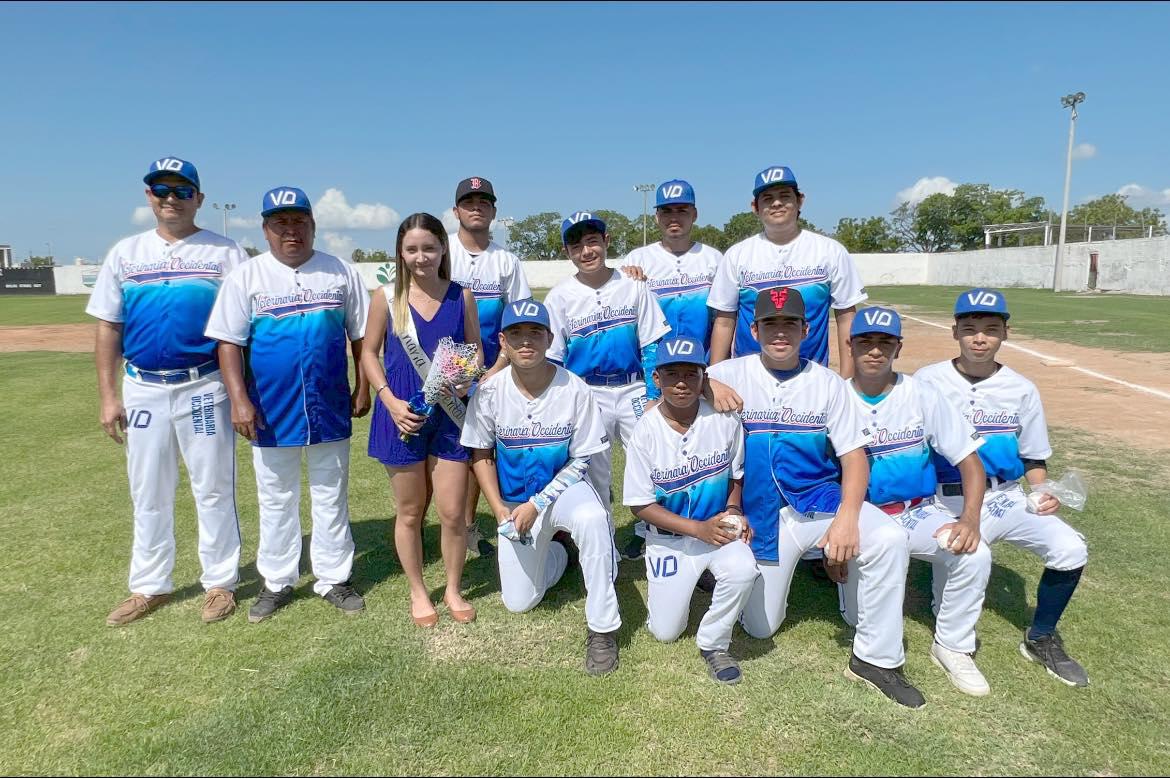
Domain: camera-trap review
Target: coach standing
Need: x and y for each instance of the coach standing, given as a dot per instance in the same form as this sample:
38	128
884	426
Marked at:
152	299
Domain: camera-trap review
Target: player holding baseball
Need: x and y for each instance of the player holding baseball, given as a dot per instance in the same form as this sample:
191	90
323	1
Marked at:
496	278
805	477
911	423
1005	408
152	299
294	310
534	428
684	477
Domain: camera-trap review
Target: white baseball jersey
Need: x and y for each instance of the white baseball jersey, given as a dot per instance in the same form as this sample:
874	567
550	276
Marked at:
681	285
496	278
912	425
818	266
1005	408
297	324
533	439
162	293
795	427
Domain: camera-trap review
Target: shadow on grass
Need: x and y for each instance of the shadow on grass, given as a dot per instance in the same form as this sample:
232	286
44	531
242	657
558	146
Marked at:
1006	595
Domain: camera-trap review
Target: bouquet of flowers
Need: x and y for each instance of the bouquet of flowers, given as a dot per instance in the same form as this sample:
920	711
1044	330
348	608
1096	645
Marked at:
452	364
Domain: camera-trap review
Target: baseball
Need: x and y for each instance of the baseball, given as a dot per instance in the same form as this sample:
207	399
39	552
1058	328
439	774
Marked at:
734	524
944	538
1034	500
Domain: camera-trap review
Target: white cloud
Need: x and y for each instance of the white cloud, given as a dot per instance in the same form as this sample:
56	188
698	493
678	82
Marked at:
333	211
1084	151
143	215
1144	197
339	245
243	221
247	242
924	188
450	221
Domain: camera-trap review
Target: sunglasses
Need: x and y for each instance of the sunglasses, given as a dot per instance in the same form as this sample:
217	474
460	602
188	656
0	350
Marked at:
163	191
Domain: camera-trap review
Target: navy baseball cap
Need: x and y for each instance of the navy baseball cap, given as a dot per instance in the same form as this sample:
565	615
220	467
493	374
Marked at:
982	301
779	301
527	310
774	176
285	199
876	319
580	219
680	349
172	166
675	192
475	186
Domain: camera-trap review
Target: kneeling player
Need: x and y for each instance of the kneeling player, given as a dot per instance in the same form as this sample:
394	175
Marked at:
909	420
1005	408
534	426
684	478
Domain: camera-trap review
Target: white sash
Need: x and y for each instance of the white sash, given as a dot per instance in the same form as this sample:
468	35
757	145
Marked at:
422	364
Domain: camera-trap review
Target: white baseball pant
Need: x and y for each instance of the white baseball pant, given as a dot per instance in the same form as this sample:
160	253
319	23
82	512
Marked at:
527	571
879	570
278	487
166	421
617	406
673	567
961	600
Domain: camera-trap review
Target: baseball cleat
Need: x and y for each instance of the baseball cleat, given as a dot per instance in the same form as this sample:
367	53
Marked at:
1049	652
721	666
218	604
634	549
565	539
477	545
345	597
268	602
601	653
961	669
136	607
888	681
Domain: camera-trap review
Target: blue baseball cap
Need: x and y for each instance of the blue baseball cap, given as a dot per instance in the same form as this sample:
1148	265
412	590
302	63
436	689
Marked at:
285	199
172	166
774	176
876	319
522	311
680	349
982	301
580	219
675	192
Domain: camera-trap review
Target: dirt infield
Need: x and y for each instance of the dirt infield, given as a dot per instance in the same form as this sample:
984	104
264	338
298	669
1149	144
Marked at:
1071	398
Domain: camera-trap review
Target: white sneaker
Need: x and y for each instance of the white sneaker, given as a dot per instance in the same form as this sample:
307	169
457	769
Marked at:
961	670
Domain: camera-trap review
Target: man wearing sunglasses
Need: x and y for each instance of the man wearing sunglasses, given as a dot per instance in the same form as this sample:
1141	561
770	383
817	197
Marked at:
152	299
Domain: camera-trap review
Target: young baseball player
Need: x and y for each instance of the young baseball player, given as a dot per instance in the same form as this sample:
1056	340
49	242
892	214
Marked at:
1005	408
533	428
495	277
409	318
294	310
805	477
911	423
684	477
152	299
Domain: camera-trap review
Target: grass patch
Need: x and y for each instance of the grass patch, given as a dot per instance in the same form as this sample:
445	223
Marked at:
44	310
314	692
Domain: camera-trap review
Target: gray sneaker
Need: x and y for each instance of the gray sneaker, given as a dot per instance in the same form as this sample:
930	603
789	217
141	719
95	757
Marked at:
721	666
601	653
1049	652
268	602
345	597
888	681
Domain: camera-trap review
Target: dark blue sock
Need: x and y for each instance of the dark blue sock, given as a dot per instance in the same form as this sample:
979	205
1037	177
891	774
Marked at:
1052	597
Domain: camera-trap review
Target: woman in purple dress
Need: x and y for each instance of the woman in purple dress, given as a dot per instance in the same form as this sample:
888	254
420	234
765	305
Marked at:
421	307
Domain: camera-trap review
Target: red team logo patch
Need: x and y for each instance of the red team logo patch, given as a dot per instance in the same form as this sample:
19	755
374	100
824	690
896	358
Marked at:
779	296
476	183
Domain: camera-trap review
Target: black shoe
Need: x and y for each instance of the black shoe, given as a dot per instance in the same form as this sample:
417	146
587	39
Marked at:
345	597
563	538
706	581
633	550
601	653
721	666
268	602
1049	652
888	681
485	548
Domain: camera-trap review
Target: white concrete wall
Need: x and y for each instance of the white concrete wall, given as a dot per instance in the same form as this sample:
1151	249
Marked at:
891	269
1139	265
75	279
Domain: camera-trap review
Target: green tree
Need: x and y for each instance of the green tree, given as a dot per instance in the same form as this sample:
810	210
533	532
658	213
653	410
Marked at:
358	255
868	236
740	226
943	222
537	237
1114	210
710	235
40	262
251	251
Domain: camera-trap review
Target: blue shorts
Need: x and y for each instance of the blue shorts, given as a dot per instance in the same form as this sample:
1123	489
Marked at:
439	437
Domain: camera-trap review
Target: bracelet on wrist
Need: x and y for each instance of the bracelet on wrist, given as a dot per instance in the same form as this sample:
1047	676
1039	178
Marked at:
732	508
379	390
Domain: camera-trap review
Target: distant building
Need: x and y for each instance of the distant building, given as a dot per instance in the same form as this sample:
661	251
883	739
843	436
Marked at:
6	256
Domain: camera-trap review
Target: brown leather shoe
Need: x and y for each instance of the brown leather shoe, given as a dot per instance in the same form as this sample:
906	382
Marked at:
136	607
218	604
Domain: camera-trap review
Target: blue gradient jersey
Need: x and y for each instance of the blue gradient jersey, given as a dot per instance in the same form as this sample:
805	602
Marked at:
794	432
599	333
533	438
681	284
818	266
911	426
162	294
688	473
496	278
1005	408
296	324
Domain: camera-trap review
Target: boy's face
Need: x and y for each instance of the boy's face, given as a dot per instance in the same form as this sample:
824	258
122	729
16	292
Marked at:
676	221
980	336
525	344
588	251
681	384
780	337
874	354
778	206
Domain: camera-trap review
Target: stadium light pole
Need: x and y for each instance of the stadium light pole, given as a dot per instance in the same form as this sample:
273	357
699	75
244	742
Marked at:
645	189
1068	101
506	222
225	208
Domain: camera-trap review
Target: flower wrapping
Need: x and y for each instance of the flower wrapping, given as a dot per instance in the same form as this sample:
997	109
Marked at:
452	364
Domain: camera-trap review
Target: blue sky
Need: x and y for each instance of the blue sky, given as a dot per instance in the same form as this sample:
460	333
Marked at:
378	110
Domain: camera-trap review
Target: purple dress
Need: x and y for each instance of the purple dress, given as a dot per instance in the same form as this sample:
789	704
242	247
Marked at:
439	436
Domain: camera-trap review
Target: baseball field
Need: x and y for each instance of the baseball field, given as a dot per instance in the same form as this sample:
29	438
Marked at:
312	691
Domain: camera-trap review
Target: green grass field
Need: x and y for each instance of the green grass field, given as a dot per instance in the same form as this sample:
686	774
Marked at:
44	310
314	692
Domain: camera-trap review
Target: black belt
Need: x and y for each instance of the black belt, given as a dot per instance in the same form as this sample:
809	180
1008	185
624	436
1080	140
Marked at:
954	489
611	379
180	376
661	532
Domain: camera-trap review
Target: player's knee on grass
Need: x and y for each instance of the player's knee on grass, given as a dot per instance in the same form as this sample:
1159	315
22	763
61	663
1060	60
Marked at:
519	599
666	630
1067	551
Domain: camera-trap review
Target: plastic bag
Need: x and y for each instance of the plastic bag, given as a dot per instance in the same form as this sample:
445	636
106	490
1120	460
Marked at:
508	530
1069	489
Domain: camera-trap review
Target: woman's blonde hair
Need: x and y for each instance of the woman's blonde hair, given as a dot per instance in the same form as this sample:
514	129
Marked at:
400	312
